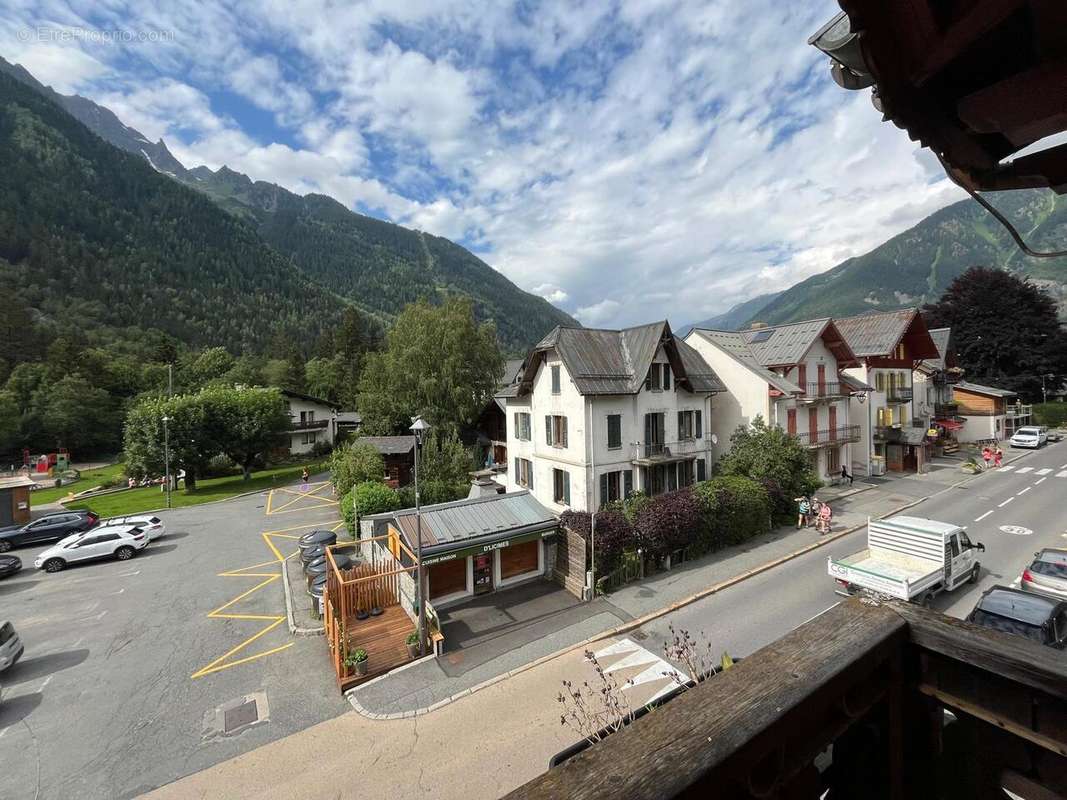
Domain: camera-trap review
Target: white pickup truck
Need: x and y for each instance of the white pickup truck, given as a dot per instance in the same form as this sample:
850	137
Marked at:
910	558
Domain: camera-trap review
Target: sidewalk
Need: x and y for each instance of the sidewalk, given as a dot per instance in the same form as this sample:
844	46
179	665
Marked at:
434	682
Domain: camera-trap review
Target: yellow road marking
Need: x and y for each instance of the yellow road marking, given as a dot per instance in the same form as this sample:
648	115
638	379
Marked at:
314	493
327	504
299	527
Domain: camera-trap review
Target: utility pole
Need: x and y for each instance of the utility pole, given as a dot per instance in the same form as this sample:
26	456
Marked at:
166	455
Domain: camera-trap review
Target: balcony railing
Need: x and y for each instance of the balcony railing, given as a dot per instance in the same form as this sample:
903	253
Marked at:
1018	411
848	705
899	394
946	409
830	436
826	389
666	451
308	425
884	431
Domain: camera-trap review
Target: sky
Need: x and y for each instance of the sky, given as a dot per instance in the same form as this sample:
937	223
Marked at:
628	161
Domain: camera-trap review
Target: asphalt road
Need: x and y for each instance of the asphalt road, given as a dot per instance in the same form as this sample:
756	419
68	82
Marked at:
1029	494
104	704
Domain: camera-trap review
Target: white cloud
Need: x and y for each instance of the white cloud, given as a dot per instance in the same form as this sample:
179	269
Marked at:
680	156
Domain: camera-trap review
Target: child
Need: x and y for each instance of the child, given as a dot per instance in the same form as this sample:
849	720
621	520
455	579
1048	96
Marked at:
998	456
826	516
803	507
987	455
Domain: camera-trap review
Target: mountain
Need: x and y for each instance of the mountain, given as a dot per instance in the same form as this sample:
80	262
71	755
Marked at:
735	318
916	266
94	237
377	265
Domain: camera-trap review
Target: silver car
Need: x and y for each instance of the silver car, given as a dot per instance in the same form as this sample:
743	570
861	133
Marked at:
1047	573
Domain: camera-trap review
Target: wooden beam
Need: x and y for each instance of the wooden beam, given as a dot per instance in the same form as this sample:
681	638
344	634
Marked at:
1026	787
729	725
1013	657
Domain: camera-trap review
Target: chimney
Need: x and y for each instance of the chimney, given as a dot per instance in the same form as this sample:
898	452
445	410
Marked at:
483	485
755	326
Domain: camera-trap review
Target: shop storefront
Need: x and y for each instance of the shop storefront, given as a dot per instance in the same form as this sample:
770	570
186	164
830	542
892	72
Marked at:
480	545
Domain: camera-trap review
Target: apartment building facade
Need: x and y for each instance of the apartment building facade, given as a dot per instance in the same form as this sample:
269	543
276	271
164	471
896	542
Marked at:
793	377
889	346
597	414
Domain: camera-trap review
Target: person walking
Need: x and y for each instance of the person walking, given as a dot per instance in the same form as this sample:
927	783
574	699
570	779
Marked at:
826	516
845	476
803	507
305	475
987	455
998	456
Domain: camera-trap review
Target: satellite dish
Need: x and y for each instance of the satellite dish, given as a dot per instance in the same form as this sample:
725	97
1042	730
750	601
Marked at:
714	439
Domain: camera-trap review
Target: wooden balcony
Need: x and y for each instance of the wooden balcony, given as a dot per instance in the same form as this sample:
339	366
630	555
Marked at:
830	436
849	705
308	425
648	453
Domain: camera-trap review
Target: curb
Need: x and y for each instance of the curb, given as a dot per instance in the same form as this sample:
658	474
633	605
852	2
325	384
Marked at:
652	615
291	619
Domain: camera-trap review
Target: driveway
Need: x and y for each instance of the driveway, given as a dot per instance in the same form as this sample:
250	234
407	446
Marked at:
127	664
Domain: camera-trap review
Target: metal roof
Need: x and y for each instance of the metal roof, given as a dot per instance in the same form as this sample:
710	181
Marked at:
940	337
876	333
15	482
977	388
616	361
390	445
457	522
855	384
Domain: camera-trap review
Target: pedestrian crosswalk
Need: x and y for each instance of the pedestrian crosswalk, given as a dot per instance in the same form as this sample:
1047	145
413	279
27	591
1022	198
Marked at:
1044	471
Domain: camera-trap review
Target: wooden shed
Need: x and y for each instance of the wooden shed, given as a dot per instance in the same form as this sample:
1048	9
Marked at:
15	500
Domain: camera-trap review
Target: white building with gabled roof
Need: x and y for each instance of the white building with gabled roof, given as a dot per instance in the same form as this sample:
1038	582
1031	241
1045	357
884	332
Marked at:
597	414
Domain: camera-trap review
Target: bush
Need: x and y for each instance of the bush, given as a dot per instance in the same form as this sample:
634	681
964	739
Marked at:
633	504
1054	415
219	467
355	463
321	448
669	522
348	514
614	535
373	497
734	509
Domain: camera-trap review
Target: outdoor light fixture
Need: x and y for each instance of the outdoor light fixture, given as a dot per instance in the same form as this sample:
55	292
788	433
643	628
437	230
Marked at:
419	427
837	40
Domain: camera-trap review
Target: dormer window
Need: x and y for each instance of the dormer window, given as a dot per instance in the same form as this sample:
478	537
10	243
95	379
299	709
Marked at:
658	378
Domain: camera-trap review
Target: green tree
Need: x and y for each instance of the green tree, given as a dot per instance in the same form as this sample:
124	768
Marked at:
1005	330
444	468
188	430
438	362
9	423
246	423
354	463
77	415
325	378
373	497
773	458
206	367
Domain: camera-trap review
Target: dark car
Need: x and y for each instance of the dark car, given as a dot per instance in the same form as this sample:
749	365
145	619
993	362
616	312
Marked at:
1035	616
50	528
9	565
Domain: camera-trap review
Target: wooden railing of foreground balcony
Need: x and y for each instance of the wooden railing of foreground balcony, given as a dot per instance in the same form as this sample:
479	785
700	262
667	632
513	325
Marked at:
849	705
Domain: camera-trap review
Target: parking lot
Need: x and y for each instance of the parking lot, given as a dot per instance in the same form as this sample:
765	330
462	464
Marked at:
128	663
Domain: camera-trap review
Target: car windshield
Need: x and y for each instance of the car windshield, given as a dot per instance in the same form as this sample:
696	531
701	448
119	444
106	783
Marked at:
999	623
1051	564
1026	432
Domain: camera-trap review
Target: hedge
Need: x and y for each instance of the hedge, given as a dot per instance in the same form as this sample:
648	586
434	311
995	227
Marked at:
1054	415
734	509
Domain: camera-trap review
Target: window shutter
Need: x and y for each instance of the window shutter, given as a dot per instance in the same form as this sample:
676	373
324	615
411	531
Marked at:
529	476
666	376
517	477
648	379
648	428
681	420
627	482
603	490
699	424
702	471
566	488
548	429
563	429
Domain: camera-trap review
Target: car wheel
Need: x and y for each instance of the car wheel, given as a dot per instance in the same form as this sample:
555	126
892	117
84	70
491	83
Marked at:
124	553
5	545
55	565
976	571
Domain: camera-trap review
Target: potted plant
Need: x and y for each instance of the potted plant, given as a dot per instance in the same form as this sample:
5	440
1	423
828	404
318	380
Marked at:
357	660
413	644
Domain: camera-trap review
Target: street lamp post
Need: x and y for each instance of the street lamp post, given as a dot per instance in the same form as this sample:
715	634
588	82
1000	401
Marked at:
419	428
166	455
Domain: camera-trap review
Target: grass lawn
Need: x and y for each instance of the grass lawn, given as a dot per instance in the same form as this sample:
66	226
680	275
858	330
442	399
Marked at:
150	497
89	478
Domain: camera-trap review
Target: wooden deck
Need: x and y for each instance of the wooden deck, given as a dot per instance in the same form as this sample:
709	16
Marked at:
384	638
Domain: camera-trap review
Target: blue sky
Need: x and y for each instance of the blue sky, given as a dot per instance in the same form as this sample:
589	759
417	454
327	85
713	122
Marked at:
628	161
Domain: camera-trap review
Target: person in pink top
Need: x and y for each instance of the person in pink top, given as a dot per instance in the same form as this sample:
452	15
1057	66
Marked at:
998	456
987	456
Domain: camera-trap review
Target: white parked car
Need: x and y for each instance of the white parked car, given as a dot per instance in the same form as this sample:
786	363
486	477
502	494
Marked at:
1029	436
119	541
10	645
152	526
